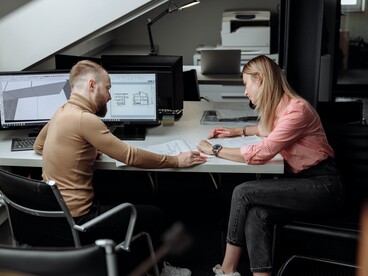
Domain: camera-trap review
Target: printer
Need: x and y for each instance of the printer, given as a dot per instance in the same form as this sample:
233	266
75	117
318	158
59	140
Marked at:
249	31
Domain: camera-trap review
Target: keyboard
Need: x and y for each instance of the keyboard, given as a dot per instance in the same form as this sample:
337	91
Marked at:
23	143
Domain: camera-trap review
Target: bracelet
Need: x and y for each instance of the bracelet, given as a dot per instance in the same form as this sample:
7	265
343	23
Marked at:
245	131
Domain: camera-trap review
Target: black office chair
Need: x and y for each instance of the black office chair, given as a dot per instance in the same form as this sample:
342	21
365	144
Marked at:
38	215
302	266
333	238
93	260
191	86
341	112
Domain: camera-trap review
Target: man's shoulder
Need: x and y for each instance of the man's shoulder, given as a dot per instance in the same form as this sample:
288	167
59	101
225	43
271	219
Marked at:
90	117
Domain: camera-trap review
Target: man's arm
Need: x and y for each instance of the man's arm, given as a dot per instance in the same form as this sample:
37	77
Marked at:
40	140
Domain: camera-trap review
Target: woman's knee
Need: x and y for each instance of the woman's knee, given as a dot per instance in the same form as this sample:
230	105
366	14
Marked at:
243	191
239	192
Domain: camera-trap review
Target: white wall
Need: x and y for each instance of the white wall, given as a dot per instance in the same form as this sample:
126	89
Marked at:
181	32
43	27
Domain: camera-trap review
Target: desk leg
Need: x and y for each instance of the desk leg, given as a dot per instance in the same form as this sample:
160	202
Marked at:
153	180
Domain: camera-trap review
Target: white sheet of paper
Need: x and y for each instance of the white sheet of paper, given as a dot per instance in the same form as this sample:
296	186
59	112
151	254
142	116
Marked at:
169	148
236	142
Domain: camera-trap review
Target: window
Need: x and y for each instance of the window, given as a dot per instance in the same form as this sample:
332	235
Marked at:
352	5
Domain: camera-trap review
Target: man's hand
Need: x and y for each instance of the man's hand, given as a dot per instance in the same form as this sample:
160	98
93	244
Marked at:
190	159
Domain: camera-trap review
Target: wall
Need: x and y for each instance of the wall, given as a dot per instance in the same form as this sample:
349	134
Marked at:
40	28
182	32
7	7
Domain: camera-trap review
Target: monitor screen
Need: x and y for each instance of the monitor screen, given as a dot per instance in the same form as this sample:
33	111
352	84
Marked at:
169	76
29	99
133	98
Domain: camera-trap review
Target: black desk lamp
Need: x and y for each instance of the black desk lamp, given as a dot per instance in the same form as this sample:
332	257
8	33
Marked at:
171	8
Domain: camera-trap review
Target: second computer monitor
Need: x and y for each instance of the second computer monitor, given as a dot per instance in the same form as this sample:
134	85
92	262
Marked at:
169	76
30	99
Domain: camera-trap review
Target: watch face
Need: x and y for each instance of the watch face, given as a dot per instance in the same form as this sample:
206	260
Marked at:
216	147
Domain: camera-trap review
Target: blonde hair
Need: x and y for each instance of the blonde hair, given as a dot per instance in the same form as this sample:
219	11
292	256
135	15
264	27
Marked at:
273	86
84	68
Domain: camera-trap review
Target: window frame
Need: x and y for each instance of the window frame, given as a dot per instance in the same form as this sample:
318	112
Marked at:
358	7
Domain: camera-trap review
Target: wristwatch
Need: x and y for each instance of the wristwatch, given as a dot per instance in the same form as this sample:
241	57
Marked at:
216	149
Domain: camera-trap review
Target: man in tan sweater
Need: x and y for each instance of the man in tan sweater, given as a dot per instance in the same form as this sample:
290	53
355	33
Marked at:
71	141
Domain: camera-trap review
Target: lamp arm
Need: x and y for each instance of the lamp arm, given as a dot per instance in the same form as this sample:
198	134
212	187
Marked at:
149	24
152	46
158	17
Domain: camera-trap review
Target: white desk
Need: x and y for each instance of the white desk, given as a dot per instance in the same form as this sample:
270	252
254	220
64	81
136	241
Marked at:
187	128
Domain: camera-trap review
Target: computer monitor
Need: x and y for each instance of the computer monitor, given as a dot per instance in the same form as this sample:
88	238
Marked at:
133	105
30	99
169	77
68	61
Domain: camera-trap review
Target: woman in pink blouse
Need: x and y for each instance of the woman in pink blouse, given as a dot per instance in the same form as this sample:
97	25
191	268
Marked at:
310	184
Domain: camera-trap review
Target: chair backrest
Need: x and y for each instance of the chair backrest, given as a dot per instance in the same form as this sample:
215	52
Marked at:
36	211
96	259
341	112
191	87
350	143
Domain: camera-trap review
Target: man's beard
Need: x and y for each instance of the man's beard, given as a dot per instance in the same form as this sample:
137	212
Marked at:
101	106
101	112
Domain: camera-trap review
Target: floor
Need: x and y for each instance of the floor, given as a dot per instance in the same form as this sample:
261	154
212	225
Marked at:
203	210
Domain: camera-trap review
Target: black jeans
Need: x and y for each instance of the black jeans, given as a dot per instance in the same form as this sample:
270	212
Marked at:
257	206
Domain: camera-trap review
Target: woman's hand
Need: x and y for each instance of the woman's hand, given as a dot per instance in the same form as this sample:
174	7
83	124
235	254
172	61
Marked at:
222	132
205	147
190	159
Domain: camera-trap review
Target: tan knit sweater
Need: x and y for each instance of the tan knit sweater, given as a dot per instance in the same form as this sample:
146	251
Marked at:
68	145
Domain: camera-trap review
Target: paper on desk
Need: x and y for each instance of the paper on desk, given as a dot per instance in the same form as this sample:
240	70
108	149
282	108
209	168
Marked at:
231	105
169	148
235	113
236	142
233	110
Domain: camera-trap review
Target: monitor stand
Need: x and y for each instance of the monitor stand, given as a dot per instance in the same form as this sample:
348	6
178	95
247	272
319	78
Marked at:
129	132
35	132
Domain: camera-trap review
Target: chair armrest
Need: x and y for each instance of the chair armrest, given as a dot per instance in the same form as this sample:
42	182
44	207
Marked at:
129	232
312	259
